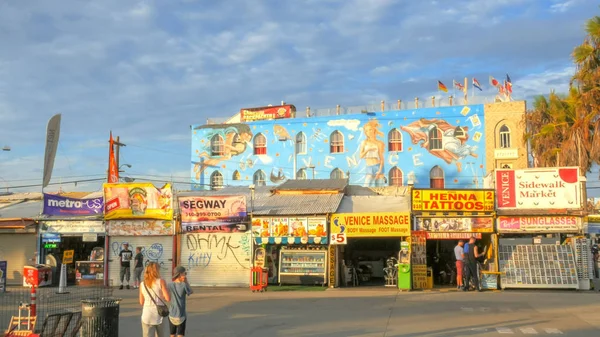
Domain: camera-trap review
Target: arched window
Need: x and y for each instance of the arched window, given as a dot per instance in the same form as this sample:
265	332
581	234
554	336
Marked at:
459	132
259	179
236	175
436	177
336	174
301	174
216	180
217	146
396	177
394	141
435	139
336	142
504	137
301	143
236	139
260	144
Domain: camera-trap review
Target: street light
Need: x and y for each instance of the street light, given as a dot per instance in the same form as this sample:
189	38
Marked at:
126	165
285	139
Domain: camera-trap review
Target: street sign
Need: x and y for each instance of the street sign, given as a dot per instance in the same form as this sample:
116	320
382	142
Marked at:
68	256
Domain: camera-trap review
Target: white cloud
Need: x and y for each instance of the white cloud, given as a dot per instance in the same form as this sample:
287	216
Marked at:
561	6
350	124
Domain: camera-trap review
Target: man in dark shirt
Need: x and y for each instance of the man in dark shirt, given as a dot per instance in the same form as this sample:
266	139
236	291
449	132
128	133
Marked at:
471	253
139	268
125	255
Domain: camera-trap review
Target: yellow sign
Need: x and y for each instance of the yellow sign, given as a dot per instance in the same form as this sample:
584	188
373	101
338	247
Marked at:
68	256
138	201
419	276
371	224
453	200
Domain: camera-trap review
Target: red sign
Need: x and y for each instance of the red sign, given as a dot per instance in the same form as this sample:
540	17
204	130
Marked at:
539	224
505	189
452	236
267	113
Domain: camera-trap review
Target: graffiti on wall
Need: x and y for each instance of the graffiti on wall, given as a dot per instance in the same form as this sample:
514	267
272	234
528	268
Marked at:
377	149
152	253
204	249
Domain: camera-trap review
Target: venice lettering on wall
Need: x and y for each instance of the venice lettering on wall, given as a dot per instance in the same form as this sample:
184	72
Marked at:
453	200
539	188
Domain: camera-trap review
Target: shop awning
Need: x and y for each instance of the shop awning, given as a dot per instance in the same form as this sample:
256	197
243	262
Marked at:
374	204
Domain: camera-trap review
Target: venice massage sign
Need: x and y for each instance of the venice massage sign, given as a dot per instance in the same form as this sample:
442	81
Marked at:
550	188
453	200
371	224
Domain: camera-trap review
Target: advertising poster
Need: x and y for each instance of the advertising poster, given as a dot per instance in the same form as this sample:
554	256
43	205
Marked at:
280	227
484	225
453	200
298	226
539	188
371	224
266	113
140	227
540	224
58	205
317	227
138	201
419	259
212	214
261	227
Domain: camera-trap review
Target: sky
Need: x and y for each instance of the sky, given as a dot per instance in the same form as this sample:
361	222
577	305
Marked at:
148	70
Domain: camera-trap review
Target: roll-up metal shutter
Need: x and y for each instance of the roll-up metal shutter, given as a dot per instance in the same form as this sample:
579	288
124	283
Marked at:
217	259
154	248
16	250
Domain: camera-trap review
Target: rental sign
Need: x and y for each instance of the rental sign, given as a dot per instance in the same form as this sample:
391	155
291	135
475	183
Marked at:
432	200
212	214
539	188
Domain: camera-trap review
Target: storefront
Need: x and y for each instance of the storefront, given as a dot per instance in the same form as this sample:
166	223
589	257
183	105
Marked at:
535	225
215	244
18	237
441	219
140	215
76	224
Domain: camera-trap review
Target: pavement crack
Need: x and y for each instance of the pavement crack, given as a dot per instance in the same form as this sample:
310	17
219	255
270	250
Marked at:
387	324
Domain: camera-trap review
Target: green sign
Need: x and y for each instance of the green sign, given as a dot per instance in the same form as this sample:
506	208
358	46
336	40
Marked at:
50	245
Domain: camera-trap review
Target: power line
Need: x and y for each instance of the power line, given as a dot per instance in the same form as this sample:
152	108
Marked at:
58	183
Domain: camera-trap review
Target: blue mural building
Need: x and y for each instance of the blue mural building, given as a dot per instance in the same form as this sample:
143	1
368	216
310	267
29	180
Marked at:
441	147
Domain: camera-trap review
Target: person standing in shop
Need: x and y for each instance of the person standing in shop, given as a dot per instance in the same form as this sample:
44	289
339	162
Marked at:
139	268
471	254
125	255
459	254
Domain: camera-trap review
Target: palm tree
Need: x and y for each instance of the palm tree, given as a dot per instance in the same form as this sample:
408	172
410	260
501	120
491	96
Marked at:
565	130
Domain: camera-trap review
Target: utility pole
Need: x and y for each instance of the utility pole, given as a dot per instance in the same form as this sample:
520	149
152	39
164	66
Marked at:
118	144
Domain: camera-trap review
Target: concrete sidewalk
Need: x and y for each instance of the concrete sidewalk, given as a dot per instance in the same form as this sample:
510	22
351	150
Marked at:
379	312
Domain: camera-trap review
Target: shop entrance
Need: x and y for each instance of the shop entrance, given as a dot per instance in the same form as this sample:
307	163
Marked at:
365	259
441	258
52	253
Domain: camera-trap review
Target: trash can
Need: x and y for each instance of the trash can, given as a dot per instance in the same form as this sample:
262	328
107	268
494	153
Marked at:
404	276
100	317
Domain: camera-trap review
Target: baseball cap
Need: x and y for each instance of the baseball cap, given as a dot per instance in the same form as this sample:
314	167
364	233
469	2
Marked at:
178	271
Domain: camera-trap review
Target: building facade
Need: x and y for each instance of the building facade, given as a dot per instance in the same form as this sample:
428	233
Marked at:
440	147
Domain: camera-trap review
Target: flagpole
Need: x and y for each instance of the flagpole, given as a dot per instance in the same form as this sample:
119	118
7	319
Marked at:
466	89
472	89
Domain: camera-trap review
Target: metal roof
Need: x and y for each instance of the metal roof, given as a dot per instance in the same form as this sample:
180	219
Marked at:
26	209
374	204
297	204
259	192
313	185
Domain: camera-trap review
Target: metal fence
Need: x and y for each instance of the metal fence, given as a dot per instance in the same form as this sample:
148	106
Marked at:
49	301
417	103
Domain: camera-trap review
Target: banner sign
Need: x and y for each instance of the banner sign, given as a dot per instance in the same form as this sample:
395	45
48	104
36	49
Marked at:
485	225
50	238
267	113
452	236
73	227
453	200
198	209
138	201
140	227
59	205
290	230
539	224
539	188
371	224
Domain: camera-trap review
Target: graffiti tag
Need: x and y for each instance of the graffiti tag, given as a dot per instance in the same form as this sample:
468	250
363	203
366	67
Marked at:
203	247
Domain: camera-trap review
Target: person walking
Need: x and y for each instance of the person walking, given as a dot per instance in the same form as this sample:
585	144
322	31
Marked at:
139	268
125	255
153	292
471	255
459	254
178	290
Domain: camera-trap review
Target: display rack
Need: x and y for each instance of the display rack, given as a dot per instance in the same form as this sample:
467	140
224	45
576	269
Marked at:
306	267
584	261
538	266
